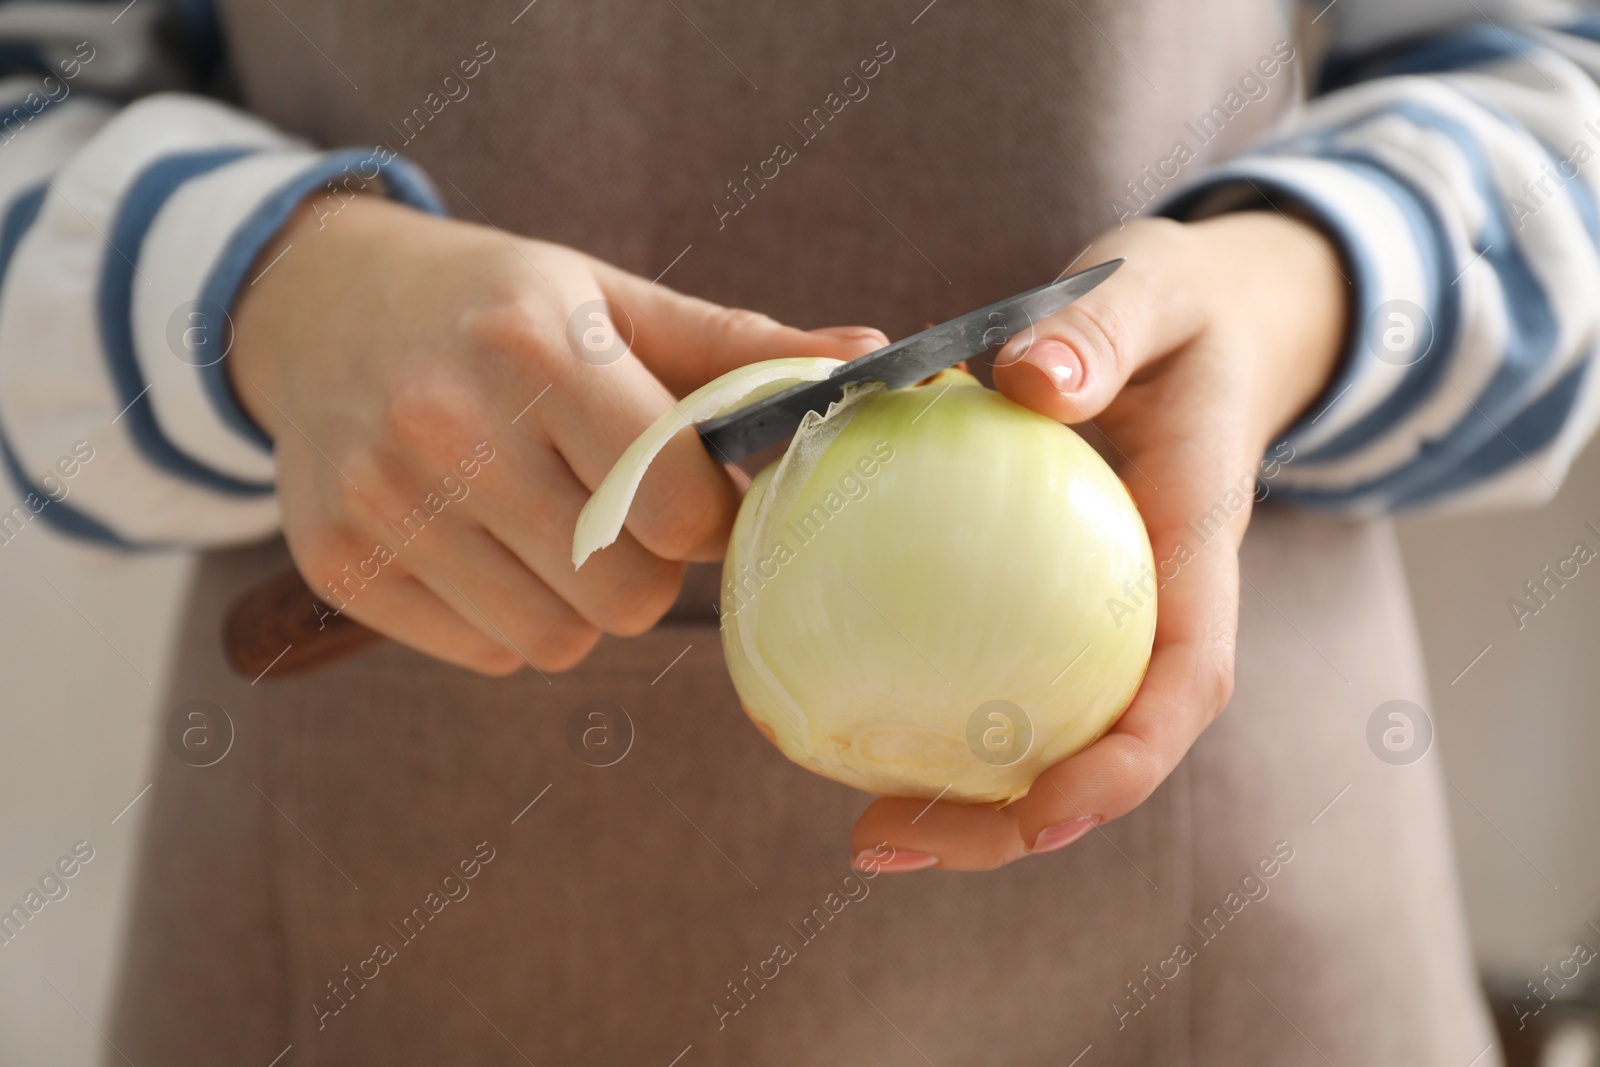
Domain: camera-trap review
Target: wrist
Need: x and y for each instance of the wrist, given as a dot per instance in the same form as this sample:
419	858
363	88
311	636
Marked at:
1282	281
267	312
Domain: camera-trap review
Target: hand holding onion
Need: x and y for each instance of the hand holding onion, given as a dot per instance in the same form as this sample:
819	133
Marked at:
899	587
1207	343
1191	359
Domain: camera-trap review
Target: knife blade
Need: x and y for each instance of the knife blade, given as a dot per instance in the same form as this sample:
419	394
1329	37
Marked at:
748	430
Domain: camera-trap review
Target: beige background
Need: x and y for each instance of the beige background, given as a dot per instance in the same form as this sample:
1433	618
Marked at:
83	671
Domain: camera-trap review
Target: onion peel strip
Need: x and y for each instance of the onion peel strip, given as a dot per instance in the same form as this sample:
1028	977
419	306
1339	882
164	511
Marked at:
602	518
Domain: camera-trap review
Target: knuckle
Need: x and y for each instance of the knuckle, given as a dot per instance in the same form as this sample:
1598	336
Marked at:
1216	683
436	418
564	646
1138	767
1103	335
380	499
637	606
1161	228
739	322
1133	768
320	556
497	663
679	526
1214	668
512	328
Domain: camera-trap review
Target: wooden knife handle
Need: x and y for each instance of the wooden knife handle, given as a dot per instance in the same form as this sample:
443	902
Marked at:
280	626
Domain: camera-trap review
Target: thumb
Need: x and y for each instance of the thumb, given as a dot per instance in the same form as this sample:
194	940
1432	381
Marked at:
1071	365
686	341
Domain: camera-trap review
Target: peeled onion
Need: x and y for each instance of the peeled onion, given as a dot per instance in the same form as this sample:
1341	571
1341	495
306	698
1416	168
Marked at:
934	592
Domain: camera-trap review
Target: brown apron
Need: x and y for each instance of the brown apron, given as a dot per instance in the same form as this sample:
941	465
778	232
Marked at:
398	862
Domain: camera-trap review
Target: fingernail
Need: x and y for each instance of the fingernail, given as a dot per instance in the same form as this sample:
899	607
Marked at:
1063	834
1059	363
899	859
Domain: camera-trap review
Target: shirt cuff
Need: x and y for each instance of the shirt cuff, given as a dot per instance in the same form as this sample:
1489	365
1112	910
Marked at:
206	228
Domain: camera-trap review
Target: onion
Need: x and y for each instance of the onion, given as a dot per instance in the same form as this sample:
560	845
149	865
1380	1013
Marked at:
934	592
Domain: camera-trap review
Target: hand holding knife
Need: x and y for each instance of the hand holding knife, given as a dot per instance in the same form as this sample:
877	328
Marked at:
281	626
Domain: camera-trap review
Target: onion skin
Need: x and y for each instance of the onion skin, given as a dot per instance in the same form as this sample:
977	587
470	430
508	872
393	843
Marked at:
966	551
602	517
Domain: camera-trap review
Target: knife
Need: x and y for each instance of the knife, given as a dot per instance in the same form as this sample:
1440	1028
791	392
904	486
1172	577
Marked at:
282	627
748	430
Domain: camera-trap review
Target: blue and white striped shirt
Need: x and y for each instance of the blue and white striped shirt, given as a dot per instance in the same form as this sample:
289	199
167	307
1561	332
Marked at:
1452	150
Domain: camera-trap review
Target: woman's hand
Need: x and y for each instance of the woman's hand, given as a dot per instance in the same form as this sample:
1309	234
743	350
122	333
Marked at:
1191	360
444	398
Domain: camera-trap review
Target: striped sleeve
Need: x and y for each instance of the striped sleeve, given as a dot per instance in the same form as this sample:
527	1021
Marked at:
1457	171
126	231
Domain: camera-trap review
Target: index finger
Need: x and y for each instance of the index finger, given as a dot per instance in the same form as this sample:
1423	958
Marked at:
594	400
686	341
611	392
